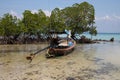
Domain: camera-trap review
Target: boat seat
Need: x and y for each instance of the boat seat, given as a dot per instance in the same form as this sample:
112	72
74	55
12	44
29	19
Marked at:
63	43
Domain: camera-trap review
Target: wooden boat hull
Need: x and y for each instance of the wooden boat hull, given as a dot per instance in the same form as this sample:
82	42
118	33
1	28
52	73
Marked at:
61	50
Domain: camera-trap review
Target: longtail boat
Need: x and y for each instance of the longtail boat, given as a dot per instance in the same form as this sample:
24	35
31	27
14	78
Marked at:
60	46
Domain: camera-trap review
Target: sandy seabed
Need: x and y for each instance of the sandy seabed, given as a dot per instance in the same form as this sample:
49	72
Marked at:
86	62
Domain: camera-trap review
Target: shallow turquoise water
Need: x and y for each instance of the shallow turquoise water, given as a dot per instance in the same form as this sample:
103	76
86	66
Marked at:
105	36
104	51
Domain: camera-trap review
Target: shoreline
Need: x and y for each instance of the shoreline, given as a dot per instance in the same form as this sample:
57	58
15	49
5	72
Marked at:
37	46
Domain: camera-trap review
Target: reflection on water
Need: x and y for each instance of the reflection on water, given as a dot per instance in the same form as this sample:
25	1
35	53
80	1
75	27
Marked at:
86	62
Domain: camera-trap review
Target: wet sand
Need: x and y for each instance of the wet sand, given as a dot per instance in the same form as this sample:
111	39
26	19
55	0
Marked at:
86	62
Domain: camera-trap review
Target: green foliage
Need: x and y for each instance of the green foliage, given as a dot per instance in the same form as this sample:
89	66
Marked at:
42	22
1	31
21	28
79	18
56	20
8	25
29	21
35	22
93	31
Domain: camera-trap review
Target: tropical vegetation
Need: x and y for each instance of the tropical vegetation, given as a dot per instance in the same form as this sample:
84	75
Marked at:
79	18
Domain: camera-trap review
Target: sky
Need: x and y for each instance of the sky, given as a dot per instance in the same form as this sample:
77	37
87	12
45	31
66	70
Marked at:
107	12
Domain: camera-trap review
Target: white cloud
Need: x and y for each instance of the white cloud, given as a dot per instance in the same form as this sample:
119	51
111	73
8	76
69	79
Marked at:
61	8
15	14
48	13
108	23
117	17
34	11
108	18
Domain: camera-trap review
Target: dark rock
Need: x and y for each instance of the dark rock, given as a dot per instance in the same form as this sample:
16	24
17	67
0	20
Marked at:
112	39
83	39
70	78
